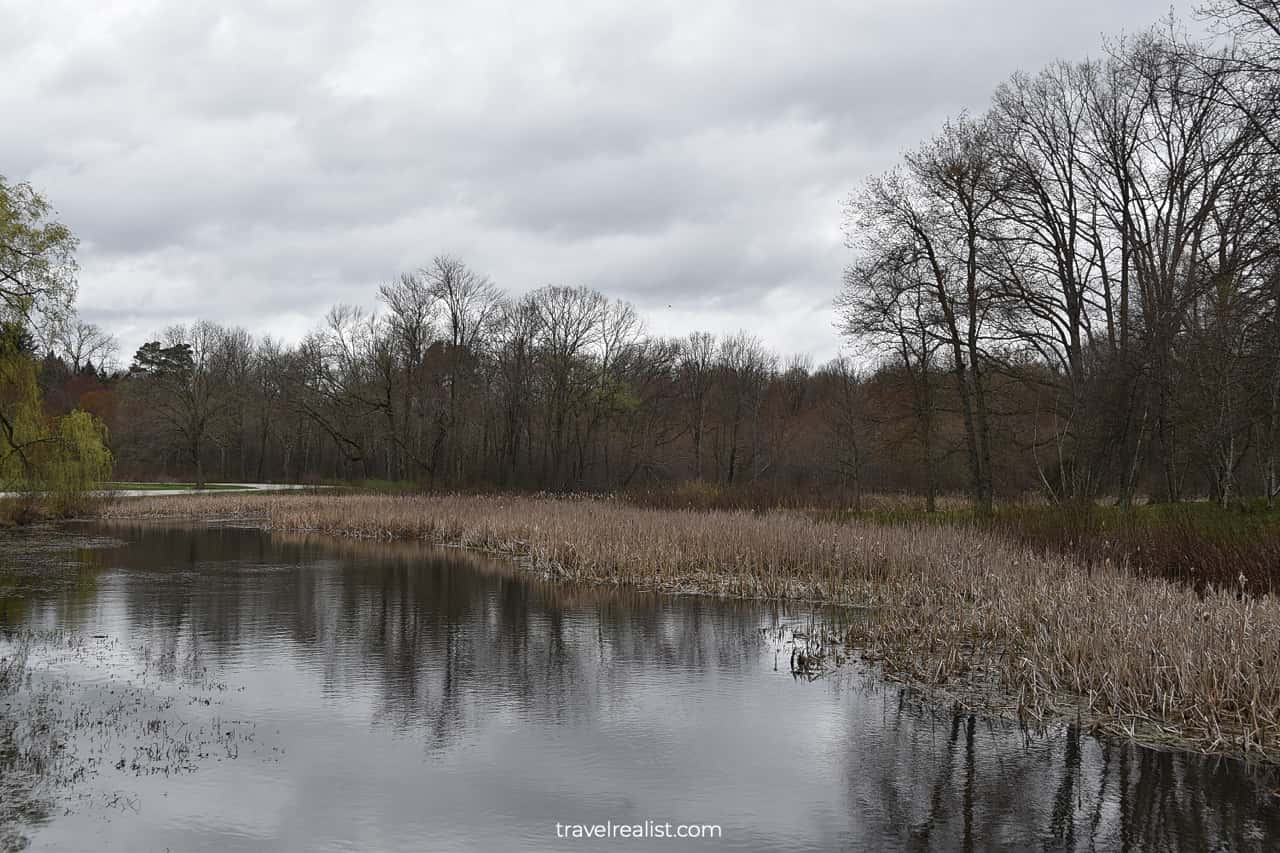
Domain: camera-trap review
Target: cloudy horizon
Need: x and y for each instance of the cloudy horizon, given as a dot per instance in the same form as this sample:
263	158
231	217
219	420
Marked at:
253	166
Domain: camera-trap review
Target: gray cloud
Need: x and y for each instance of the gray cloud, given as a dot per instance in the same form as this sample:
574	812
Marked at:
253	163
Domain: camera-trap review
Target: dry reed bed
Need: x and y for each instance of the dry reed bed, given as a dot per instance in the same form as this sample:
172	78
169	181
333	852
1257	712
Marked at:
953	605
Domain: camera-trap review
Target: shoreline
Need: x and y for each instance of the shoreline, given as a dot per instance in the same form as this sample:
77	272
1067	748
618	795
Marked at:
958	614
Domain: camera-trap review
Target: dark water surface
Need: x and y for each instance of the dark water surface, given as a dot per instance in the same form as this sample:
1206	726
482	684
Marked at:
278	692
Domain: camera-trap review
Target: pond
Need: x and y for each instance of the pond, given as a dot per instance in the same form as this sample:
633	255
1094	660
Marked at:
225	688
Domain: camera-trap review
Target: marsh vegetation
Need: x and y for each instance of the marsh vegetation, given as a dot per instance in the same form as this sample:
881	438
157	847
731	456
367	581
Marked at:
958	605
391	668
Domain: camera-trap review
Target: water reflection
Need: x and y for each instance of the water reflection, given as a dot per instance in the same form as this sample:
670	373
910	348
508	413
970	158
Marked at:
954	780
415	698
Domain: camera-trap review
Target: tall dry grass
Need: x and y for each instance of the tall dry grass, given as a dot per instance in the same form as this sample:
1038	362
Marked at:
762	496
951	605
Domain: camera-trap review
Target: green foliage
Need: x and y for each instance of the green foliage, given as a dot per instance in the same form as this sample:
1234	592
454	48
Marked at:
172	487
22	428
81	462
621	400
151	357
37	258
60	460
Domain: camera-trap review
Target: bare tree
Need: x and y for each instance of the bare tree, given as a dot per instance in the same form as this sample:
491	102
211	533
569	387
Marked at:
1250	69
516	362
696	364
1052	264
410	399
82	344
887	307
1191	150
620	331
183	378
569	324
744	368
941	214
470	307
846	422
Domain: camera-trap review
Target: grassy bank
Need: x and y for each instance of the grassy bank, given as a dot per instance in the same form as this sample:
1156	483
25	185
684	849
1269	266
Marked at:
1199	544
16	511
171	487
1194	542
954	605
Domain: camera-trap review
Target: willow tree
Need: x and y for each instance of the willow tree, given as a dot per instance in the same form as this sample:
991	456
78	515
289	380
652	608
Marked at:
65	457
62	459
37	262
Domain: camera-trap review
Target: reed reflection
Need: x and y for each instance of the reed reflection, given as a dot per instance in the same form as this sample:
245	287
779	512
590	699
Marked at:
661	700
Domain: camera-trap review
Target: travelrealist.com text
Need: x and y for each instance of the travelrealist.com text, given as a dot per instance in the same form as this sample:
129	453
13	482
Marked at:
647	829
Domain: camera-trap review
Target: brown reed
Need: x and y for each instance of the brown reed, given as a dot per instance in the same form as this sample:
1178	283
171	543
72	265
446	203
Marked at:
951	605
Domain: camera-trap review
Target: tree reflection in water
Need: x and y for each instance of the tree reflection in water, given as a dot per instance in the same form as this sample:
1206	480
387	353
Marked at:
952	779
456	651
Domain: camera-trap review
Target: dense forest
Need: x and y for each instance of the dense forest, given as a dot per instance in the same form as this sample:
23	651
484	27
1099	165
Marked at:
1075	293
456	384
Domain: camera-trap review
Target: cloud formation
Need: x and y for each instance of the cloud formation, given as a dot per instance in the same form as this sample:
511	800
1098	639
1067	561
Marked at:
253	163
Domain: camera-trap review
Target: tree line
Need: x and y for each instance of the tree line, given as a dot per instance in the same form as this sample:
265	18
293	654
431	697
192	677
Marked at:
1102	243
455	383
1076	292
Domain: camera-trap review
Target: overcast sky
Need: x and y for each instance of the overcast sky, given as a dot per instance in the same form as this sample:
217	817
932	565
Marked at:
255	162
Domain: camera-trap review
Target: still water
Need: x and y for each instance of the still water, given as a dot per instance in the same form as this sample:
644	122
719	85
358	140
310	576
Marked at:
222	688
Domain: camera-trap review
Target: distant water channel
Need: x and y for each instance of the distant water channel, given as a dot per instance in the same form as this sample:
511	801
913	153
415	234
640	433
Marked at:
222	688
